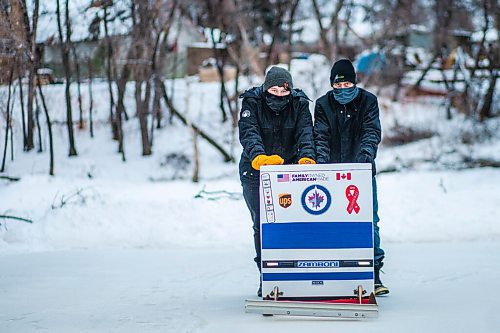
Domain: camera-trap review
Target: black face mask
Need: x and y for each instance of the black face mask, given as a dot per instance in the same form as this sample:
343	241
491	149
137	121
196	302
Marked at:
276	103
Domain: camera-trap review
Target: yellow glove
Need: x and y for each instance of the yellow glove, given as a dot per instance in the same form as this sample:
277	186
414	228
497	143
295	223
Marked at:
261	160
275	160
307	160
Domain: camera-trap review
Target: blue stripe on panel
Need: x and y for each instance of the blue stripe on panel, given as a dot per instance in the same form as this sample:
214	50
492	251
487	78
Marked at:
317	276
317	235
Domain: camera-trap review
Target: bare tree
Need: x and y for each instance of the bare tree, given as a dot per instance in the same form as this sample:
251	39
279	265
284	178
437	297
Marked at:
91	98
78	85
142	49
49	129
330	48
38	129
25	39
109	66
23	113
162	27
8	117
65	49
276	32
291	21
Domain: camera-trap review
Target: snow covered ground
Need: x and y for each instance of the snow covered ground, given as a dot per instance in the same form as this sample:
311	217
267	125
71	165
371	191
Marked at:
121	247
436	287
150	257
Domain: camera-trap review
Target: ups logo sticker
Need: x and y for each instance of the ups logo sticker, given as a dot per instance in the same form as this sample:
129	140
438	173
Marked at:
285	200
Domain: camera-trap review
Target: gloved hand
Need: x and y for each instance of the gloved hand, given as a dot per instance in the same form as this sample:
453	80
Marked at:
306	160
363	158
275	160
258	161
261	160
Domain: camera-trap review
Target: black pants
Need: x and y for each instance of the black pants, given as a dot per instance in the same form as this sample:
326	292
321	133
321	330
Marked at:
251	195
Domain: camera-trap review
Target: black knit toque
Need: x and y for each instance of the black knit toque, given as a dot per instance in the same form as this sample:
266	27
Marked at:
343	71
278	76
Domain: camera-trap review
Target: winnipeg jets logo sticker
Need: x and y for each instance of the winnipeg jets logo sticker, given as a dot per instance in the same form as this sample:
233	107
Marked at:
245	114
316	199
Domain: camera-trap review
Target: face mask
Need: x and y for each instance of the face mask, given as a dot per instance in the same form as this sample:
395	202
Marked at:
345	95
277	103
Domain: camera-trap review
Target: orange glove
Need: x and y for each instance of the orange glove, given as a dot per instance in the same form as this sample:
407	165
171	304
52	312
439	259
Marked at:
261	160
275	160
307	160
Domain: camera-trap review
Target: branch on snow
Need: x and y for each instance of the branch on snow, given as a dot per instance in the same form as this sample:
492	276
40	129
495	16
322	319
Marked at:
79	196
481	162
15	218
216	195
12	179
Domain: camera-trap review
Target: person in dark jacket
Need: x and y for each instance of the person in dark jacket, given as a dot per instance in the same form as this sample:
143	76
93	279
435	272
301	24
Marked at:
347	130
275	127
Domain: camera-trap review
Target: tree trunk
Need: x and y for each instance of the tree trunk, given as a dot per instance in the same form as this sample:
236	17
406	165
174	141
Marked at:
400	73
121	86
275	33
142	107
37	117
7	120
67	72
485	111
78	81
174	71
290	30
156	114
31	78
189	123
322	31
220	69
10	125
334	25
196	169
91	99
23	114
109	58
49	128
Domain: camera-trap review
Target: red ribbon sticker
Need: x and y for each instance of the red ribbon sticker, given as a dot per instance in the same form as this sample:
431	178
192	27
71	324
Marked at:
352	194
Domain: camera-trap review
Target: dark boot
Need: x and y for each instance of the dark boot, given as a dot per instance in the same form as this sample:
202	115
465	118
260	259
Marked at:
380	289
259	292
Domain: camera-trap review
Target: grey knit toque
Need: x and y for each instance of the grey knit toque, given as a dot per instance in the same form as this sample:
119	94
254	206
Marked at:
278	76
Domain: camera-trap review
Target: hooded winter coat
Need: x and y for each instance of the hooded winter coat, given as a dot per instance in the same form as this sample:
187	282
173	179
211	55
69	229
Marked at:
288	133
347	133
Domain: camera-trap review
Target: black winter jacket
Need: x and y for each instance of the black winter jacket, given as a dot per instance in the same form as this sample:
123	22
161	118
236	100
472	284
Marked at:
356	138
288	133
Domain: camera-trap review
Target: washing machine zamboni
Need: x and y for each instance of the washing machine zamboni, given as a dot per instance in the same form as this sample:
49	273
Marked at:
316	241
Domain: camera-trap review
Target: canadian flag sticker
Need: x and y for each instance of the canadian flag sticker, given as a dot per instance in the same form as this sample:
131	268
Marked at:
343	176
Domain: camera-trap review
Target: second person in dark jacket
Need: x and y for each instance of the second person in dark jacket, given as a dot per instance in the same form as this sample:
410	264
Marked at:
275	127
347	130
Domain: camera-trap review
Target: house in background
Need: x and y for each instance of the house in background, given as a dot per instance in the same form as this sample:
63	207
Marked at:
92	51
